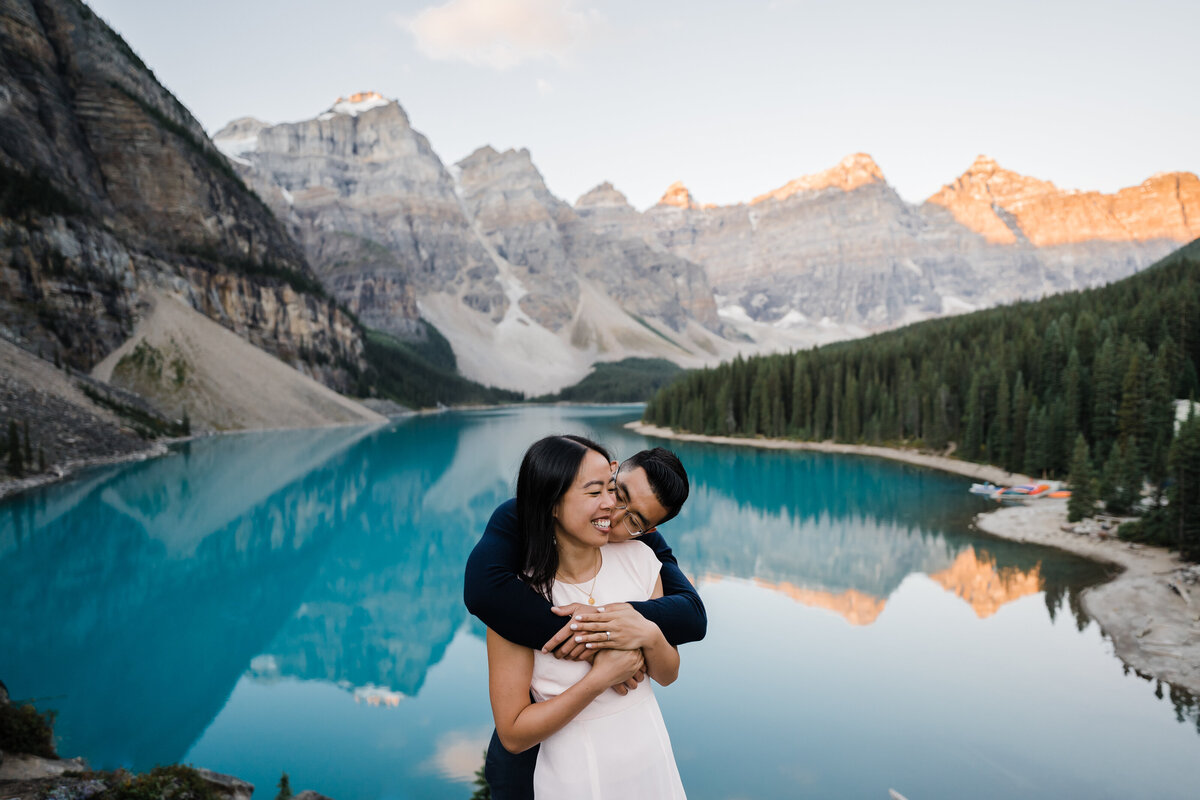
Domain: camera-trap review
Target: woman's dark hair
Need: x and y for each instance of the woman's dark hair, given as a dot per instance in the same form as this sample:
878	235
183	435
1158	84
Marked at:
547	471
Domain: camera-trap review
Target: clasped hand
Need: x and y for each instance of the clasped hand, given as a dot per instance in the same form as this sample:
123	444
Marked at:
615	626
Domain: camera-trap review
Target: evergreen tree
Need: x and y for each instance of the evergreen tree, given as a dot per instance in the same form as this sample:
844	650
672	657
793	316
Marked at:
1110	477
751	424
1057	448
1160	422
1000	433
1185	491
850	418
1131	418
725	424
1132	477
972	438
483	791
1035	443
16	465
1106	393
1083	488
821	430
1073	397
1121	485
285	788
1016	457
940	424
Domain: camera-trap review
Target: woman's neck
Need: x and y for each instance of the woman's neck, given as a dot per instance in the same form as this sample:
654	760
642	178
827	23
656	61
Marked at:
577	562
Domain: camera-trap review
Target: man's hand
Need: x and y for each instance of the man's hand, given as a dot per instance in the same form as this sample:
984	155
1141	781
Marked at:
576	651
629	685
617	667
615	626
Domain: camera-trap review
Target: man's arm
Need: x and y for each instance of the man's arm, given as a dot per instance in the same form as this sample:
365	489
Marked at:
679	612
493	592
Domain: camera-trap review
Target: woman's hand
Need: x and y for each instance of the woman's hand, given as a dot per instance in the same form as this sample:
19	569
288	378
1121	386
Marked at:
617	666
615	626
563	644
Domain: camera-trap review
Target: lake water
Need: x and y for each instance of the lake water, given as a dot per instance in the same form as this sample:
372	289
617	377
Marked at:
293	602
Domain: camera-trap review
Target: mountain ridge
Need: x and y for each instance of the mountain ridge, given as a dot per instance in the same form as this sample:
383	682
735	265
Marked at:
832	255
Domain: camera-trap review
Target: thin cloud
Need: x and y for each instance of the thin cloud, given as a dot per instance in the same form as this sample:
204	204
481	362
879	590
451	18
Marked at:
501	33
544	87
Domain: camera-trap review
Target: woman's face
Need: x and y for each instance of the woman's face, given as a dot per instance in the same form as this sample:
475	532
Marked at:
584	512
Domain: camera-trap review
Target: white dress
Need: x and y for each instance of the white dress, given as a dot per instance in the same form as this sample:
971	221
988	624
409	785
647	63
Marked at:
617	748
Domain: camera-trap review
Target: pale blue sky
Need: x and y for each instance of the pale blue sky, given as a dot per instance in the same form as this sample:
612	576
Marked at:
733	98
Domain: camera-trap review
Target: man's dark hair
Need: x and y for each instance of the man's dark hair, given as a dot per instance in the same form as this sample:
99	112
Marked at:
668	479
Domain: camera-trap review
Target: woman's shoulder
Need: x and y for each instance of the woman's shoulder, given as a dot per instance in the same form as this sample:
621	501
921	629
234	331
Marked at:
632	554
630	549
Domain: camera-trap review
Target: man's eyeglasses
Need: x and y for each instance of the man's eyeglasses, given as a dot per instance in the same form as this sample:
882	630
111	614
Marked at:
635	529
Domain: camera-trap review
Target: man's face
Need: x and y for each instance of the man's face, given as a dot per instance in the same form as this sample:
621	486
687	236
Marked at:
637	509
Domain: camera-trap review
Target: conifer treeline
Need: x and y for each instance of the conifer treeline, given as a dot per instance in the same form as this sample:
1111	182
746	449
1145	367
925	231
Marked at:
1013	386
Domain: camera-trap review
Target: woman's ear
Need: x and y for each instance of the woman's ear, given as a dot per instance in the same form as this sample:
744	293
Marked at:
614	465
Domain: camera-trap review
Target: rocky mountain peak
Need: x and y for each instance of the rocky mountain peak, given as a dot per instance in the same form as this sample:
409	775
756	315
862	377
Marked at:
602	196
678	196
1006	207
511	171
239	137
359	102
853	171
986	180
975	197
983	165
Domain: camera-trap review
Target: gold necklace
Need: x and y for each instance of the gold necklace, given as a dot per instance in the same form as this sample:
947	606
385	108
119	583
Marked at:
591	599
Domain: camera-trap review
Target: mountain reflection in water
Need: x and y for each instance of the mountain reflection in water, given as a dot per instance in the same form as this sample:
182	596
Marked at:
136	598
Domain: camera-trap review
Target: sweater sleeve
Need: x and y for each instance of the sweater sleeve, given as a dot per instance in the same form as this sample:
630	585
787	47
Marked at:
679	613
493	591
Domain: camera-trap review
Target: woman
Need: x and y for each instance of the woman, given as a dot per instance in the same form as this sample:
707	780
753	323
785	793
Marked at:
595	743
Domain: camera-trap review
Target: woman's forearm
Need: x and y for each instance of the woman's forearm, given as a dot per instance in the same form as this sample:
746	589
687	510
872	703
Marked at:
662	661
538	721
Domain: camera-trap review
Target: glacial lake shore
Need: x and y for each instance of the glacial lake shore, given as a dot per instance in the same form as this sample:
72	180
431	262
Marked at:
1154	629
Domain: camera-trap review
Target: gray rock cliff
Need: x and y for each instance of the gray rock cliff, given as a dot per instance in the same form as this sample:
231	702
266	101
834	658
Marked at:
110	185
373	207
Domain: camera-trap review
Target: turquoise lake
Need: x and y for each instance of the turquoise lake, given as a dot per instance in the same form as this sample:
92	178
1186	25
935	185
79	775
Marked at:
292	602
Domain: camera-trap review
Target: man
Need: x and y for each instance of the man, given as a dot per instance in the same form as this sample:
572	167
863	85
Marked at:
650	488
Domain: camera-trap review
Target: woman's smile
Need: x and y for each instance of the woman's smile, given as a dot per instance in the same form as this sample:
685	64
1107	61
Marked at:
584	514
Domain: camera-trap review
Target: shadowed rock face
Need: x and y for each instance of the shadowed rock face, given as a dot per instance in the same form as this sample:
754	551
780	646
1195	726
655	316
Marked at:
137	195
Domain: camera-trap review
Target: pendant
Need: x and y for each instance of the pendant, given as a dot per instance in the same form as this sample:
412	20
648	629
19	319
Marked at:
591	601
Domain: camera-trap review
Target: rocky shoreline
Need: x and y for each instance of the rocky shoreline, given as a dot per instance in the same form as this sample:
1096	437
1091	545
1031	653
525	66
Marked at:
1150	610
30	776
64	470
